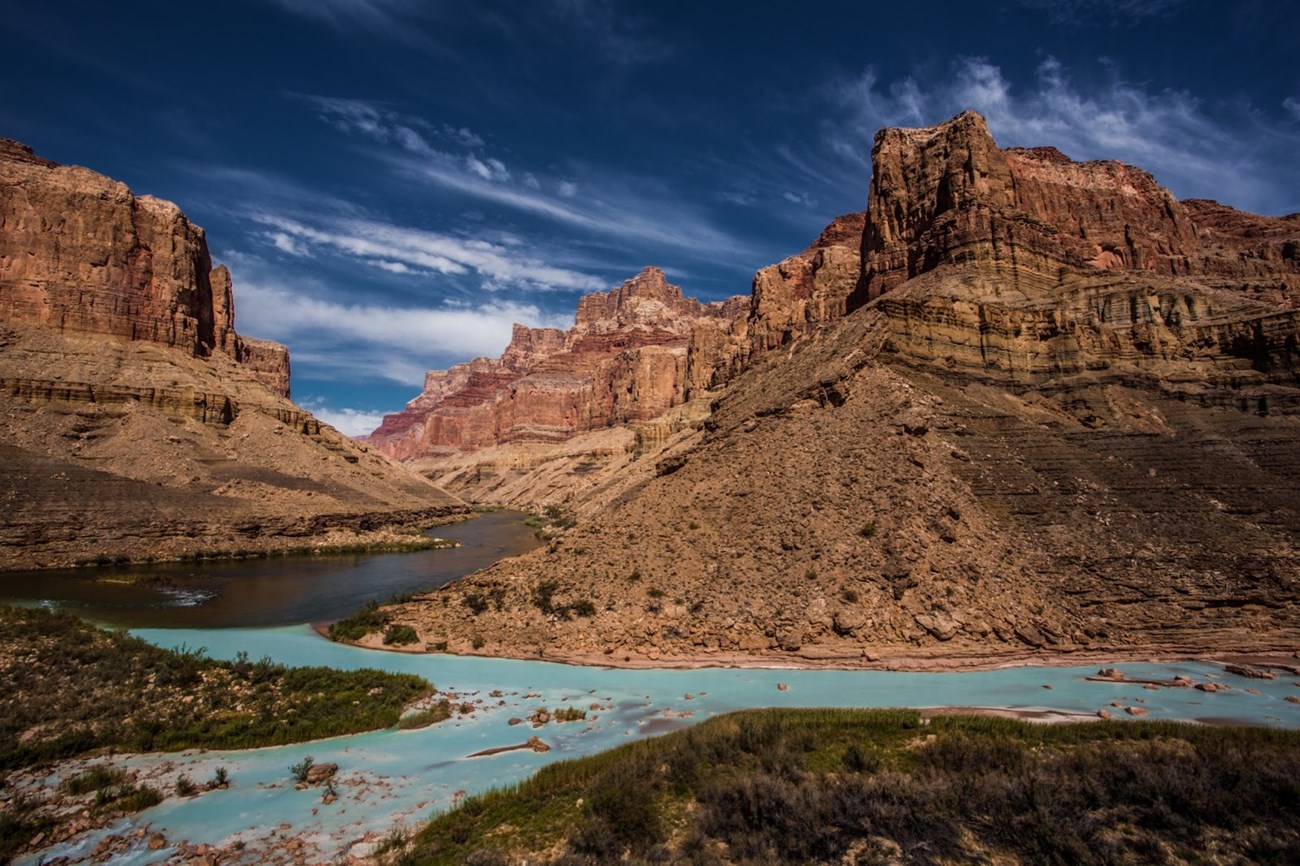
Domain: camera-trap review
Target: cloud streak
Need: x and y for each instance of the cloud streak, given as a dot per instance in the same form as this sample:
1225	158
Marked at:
402	250
616	209
397	343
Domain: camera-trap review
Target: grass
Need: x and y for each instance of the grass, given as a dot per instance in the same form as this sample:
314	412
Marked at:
71	688
810	786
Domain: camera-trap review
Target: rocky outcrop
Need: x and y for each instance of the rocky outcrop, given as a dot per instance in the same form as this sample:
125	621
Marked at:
1057	417
633	353
1024	267
796	295
135	423
80	253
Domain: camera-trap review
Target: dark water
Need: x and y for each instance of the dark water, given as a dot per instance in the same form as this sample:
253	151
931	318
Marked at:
266	592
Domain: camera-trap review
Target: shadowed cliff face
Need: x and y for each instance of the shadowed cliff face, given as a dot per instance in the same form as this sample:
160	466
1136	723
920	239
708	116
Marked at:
80	253
633	353
1052	410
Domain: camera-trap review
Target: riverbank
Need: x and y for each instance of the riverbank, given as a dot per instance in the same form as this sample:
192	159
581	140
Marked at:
909	659
253	536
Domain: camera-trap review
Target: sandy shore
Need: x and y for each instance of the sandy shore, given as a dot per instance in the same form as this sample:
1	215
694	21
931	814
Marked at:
882	659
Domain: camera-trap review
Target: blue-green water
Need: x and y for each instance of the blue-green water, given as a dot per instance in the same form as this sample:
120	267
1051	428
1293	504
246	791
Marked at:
390	777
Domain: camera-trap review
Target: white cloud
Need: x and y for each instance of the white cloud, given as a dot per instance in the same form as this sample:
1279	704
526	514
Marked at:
1230	153
1292	104
621	209
799	198
395	342
389	246
286	244
349	422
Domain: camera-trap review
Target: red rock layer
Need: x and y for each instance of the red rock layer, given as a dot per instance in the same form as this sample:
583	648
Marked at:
633	353
80	253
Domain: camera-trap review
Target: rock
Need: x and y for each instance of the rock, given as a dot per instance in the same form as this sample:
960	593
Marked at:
536	744
1136	711
515	721
633	354
1248	671
938	624
80	252
1111	674
848	620
1293	699
781	687
1105	714
157	842
318	773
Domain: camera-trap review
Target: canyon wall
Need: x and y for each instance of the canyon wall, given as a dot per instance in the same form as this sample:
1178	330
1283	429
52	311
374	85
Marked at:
632	354
79	252
135	423
1053	412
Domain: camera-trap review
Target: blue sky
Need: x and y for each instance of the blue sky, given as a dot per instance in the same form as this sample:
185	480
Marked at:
394	182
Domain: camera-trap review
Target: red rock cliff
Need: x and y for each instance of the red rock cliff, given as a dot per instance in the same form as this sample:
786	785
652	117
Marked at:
1022	265
947	194
633	353
79	252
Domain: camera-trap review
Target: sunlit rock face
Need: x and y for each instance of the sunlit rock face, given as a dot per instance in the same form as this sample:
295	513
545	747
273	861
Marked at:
633	353
80	253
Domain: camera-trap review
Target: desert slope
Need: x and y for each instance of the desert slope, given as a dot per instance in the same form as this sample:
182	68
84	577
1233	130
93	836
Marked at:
1058	417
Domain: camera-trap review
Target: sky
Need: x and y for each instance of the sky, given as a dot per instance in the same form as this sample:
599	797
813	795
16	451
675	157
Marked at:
393	183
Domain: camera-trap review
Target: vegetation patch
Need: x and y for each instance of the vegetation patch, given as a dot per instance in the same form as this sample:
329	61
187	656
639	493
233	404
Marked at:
551	523
68	688
832	786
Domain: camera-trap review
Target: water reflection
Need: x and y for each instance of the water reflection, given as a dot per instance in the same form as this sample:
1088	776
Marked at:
268	592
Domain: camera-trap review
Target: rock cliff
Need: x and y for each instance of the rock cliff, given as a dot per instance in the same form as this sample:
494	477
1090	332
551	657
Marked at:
80	253
1057	417
135	423
632	354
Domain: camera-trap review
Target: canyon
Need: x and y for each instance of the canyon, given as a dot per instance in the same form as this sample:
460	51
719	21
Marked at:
1022	406
135	422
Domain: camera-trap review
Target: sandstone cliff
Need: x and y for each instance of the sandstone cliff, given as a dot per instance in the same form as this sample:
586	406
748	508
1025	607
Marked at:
80	253
564	412
1058	417
134	421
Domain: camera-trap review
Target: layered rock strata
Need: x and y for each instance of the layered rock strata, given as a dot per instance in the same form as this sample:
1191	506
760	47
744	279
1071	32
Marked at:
79	252
633	353
135	423
1057	418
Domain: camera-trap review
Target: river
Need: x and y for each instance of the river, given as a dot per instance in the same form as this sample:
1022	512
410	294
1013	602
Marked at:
390	778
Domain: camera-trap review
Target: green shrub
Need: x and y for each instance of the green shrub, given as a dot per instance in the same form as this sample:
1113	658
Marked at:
95	779
400	635
300	770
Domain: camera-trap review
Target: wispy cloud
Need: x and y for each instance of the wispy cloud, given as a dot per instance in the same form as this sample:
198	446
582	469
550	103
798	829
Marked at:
620	36
364	340
616	208
1232	152
398	249
1104	12
399	20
